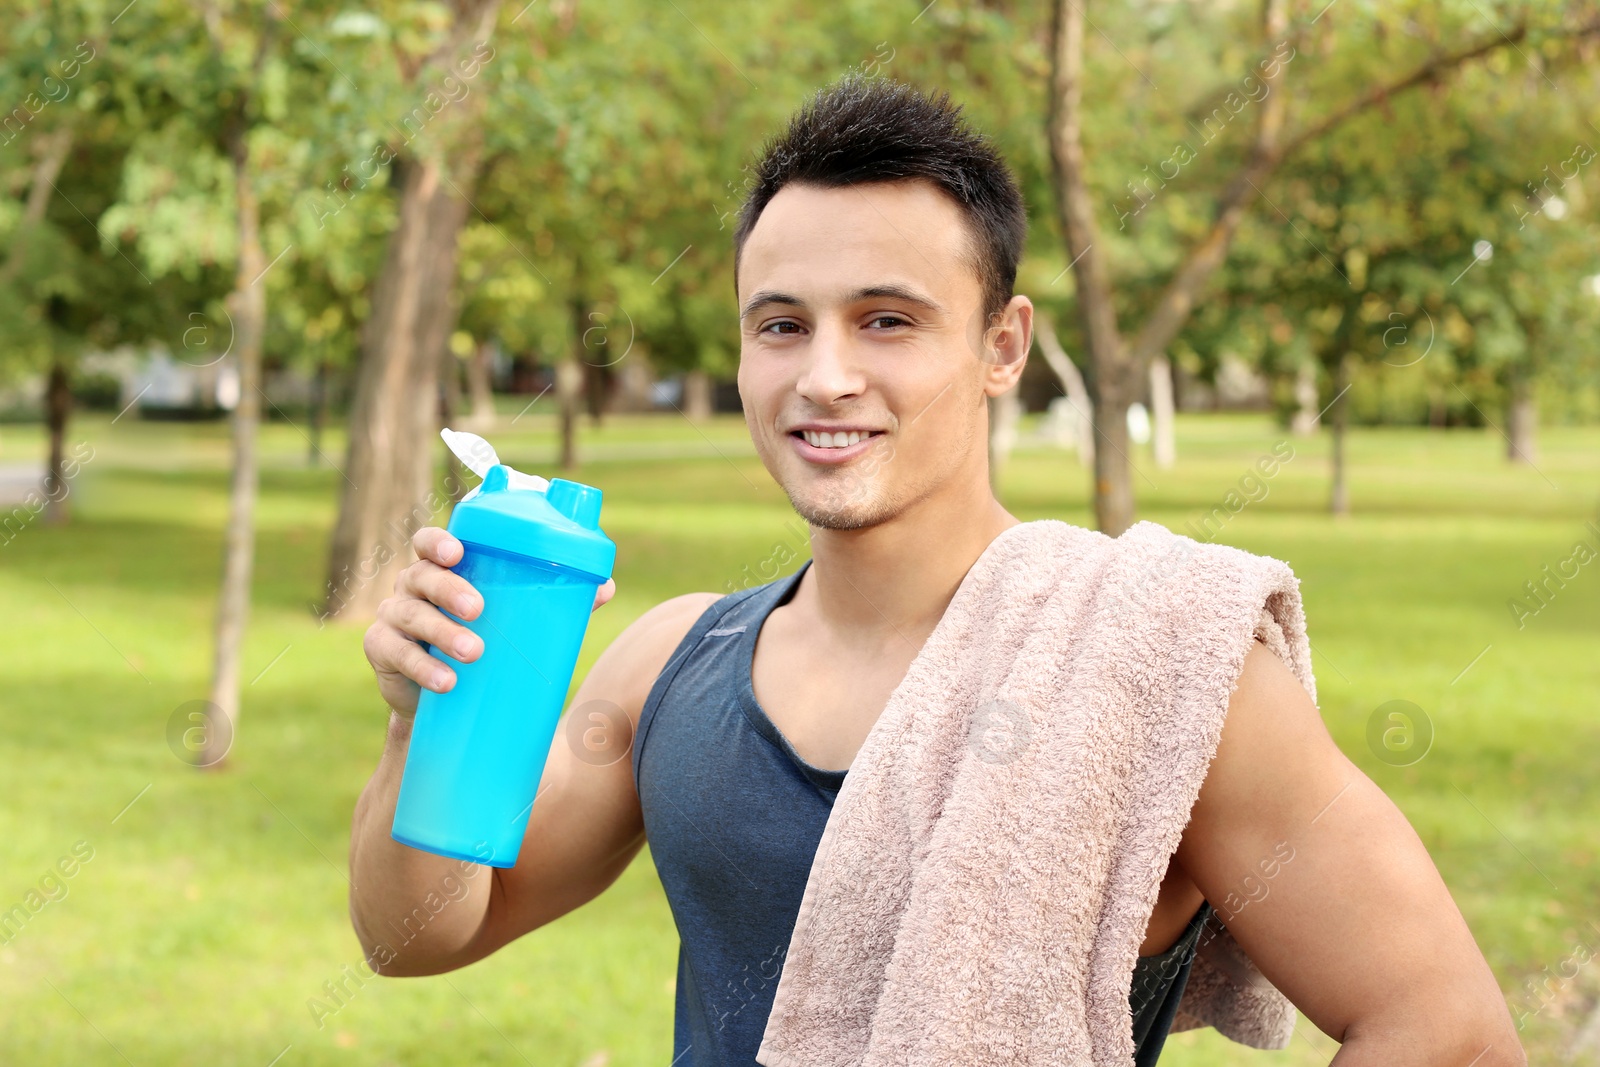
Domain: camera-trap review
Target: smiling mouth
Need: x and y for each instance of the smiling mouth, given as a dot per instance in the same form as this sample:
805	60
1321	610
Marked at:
836	439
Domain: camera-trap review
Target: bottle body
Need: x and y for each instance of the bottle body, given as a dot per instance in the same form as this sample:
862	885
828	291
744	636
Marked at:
478	751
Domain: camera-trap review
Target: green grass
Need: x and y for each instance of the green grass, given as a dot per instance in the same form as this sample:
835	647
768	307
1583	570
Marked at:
214	907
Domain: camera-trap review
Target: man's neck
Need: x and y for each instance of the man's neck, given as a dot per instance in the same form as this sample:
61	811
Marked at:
893	581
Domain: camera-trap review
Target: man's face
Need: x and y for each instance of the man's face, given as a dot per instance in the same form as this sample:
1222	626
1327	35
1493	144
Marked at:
863	366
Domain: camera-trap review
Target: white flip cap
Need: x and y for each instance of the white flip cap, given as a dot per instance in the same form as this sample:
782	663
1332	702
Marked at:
479	455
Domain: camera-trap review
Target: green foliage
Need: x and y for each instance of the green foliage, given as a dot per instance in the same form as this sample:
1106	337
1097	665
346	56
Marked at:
97	392
1391	212
617	140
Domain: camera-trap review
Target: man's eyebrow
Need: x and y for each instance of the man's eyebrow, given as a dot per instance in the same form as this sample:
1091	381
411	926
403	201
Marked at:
894	292
767	297
898	292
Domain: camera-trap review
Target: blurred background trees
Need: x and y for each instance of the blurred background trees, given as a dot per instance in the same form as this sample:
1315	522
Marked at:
1373	213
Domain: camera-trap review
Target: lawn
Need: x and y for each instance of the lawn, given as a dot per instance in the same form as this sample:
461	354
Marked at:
205	913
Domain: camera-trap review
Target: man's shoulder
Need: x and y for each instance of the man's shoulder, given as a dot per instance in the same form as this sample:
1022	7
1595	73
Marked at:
637	655
668	622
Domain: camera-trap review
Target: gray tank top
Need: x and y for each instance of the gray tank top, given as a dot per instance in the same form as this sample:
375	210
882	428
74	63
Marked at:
733	815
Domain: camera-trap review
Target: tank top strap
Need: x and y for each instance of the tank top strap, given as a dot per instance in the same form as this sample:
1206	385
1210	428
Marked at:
829	781
739	614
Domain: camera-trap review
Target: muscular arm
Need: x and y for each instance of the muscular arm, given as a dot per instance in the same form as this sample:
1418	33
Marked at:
1356	927
591	825
418	913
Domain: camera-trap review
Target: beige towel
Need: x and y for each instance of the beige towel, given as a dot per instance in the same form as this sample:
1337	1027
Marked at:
982	886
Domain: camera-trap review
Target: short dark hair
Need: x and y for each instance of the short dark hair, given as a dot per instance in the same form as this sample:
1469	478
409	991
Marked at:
872	129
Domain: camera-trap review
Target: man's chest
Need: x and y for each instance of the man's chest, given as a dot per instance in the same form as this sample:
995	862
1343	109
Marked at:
824	698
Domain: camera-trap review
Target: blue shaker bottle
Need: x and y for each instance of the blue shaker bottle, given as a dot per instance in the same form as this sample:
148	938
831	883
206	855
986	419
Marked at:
477	751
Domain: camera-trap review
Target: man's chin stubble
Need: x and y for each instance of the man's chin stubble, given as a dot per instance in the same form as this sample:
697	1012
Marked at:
856	516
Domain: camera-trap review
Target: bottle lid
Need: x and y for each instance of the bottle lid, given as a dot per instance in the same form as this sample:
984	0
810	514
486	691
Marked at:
557	521
479	455
560	525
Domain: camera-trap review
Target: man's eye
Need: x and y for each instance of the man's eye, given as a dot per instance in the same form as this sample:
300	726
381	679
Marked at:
894	319
769	327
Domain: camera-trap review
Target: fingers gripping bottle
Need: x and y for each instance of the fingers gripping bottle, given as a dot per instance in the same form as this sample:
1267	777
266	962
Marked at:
535	553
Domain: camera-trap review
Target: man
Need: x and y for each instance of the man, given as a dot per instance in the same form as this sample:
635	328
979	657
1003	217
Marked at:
875	262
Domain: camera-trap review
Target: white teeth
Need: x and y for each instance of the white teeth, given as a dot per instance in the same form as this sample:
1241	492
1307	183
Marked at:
839	439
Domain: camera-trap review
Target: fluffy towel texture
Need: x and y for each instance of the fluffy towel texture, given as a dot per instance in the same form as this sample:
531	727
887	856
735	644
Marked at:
984	881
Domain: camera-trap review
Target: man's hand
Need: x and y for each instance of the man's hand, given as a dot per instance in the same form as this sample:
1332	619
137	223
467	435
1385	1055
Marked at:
393	643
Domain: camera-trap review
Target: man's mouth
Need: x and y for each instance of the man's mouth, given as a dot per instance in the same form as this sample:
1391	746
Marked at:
835	438
830	447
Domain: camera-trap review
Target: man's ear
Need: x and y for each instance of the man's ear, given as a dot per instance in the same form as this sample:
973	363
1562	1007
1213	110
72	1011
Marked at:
1005	345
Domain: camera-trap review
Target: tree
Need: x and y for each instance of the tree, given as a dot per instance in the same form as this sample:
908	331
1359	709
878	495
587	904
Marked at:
434	155
53	148
1441	263
1524	286
207	185
1119	363
248	313
65	284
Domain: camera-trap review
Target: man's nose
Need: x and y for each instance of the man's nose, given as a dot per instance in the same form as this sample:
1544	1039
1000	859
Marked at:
831	372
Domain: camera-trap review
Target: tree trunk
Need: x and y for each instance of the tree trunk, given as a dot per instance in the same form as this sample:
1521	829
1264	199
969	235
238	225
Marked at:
569	387
58	409
1339	497
449	405
388	476
249	312
1522	417
1113	471
53	150
1304	422
1438	413
1163	412
1335	358
596	387
1110	377
697	395
1072	383
449	385
480	388
572	373
319	413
